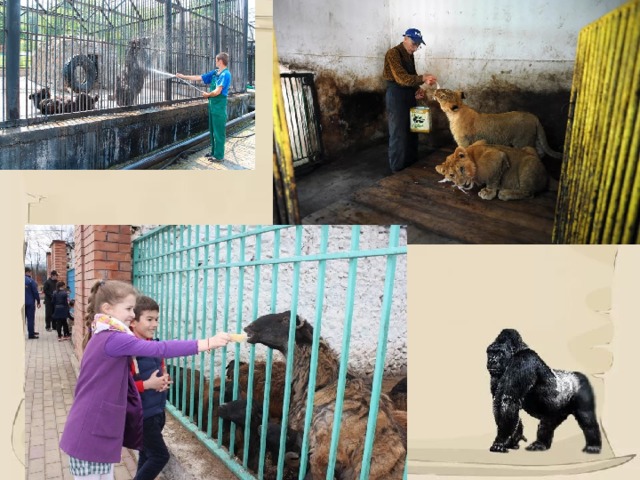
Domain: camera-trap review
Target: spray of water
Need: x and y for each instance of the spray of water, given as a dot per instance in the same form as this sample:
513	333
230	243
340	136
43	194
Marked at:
171	75
161	73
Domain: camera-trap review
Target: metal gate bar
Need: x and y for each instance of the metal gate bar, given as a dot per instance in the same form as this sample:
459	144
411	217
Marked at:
285	195
302	113
599	193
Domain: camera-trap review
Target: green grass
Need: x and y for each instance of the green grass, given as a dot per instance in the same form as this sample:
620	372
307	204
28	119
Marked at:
24	61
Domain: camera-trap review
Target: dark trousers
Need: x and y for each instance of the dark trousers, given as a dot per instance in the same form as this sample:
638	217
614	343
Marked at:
48	314
62	327
403	145
30	313
154	455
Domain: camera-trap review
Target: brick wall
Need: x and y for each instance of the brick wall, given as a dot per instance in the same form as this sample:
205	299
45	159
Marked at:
59	259
49	268
102	252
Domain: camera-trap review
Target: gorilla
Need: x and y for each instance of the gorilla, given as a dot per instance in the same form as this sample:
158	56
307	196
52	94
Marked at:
521	380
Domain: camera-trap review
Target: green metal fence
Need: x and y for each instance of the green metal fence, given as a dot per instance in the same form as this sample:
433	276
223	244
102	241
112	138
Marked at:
348	281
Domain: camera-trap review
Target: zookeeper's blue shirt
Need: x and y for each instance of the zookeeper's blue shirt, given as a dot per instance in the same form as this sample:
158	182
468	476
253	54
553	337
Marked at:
223	78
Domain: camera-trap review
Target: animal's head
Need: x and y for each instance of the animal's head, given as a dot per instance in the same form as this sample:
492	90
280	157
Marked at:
459	168
231	367
236	410
141	42
449	100
273	331
445	167
505	346
40	95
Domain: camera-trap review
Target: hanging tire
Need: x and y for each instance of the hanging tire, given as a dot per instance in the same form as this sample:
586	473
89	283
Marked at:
90	73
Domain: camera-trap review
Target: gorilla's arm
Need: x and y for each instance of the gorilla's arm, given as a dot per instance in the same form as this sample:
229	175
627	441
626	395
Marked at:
519	377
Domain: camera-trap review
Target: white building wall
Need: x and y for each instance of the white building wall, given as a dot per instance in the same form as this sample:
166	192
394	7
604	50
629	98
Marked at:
344	37
469	42
368	295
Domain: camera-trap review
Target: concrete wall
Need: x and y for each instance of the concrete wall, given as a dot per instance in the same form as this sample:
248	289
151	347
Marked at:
107	140
343	43
505	55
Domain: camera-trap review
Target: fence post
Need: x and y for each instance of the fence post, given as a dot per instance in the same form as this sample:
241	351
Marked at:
245	64
168	36
12	65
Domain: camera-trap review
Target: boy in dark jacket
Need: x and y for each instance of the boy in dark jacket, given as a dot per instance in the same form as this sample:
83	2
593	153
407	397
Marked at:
153	382
60	302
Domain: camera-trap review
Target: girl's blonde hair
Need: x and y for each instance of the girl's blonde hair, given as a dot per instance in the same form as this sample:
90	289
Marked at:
104	291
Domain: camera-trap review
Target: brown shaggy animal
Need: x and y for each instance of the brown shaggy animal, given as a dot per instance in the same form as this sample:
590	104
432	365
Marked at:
276	391
513	129
398	394
389	448
79	103
235	411
136	63
201	384
40	95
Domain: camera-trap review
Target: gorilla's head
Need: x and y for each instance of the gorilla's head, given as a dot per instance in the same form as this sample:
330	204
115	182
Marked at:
502	349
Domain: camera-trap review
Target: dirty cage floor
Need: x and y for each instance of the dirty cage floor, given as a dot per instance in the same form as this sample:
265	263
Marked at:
362	190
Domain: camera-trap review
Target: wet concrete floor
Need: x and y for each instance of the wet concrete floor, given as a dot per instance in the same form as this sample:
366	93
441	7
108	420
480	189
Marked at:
240	153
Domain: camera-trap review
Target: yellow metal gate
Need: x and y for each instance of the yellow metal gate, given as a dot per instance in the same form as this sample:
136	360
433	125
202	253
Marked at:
600	184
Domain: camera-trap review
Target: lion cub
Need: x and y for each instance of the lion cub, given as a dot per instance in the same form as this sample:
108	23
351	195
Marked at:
516	129
510	173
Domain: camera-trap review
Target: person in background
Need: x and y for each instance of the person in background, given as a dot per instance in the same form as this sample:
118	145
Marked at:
220	80
31	299
61	312
402	92
49	288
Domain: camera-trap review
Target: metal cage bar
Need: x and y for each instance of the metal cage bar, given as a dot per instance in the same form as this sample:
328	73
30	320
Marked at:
109	55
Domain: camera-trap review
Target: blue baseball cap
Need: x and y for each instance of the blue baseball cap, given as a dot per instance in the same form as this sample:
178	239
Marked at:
415	35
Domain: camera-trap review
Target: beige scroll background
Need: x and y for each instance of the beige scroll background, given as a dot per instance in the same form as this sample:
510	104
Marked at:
112	197
577	306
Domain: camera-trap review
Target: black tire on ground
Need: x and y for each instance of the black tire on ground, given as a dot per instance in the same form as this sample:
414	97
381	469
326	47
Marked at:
90	73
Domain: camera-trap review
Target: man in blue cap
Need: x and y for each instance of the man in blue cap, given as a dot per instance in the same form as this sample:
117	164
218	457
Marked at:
402	93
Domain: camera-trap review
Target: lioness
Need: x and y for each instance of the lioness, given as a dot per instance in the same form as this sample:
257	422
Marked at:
515	129
511	173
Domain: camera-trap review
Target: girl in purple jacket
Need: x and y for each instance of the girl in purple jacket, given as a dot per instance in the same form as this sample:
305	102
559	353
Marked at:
107	412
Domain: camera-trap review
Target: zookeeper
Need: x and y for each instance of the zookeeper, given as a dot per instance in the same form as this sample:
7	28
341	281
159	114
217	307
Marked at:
402	93
220	80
